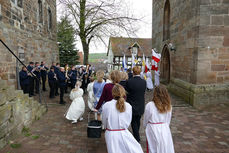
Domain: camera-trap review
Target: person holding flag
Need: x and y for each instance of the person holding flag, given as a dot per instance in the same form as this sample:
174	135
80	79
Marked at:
148	76
156	57
124	65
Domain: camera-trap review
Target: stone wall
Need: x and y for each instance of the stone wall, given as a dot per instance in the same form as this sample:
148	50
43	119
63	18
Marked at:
183	34
17	110
25	35
199	30
213	43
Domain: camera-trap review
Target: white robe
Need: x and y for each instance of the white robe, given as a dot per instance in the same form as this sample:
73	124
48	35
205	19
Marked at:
158	135
108	81
149	82
77	107
91	98
157	78
119	141
142	75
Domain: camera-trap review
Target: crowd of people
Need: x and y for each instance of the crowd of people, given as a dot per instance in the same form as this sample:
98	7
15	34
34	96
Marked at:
59	78
119	100
117	97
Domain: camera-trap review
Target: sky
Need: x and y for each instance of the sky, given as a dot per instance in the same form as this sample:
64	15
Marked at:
140	8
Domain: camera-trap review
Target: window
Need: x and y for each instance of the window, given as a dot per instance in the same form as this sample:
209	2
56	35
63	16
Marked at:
166	21
19	3
49	19
135	50
40	12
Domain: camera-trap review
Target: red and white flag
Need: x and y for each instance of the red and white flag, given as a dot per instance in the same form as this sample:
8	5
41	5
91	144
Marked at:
155	60
155	56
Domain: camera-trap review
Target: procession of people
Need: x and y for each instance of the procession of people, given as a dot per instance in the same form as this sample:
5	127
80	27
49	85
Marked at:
118	99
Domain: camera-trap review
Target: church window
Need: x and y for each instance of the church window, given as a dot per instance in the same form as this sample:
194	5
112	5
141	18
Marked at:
49	18
19	3
166	21
40	11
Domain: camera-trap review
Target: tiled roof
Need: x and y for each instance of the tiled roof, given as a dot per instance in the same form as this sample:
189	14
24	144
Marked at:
121	45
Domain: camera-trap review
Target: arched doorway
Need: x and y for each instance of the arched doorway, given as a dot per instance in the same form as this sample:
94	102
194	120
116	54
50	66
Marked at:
165	65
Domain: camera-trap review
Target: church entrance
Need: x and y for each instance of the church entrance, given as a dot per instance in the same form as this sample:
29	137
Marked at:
165	65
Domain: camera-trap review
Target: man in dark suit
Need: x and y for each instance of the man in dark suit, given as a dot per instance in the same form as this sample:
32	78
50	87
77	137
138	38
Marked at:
130	74
136	88
24	80
37	72
30	67
56	71
62	84
73	77
52	80
44	70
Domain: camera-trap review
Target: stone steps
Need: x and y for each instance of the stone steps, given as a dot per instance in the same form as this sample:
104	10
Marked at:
178	102
17	110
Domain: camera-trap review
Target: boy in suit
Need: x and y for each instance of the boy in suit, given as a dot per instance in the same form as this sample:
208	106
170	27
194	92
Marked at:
136	88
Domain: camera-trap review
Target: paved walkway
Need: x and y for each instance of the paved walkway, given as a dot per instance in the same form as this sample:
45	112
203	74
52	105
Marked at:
193	131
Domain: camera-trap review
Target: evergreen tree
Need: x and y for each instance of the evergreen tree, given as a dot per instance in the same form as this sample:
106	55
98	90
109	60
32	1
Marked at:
66	40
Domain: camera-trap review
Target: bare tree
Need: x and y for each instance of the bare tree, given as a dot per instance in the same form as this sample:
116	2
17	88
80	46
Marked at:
99	19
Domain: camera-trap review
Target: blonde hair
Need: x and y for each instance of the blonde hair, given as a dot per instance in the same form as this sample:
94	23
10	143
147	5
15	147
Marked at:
100	75
136	70
162	99
77	86
115	76
124	76
118	92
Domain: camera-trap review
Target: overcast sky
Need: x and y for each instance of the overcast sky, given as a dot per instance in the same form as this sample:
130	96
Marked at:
140	8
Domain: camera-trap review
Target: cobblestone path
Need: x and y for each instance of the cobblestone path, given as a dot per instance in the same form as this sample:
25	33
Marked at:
194	131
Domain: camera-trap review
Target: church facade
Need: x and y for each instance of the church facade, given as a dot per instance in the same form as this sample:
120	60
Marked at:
193	38
29	28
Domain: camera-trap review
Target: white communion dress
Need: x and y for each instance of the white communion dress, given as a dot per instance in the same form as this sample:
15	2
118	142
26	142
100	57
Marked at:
117	136
91	98
158	133
157	78
77	107
149	82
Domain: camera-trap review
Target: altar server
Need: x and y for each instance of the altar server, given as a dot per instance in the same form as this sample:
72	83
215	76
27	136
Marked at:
156	121
116	118
149	82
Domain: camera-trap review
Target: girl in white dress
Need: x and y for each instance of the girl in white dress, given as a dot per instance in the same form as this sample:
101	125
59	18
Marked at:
77	107
90	92
156	121
149	81
116	117
157	78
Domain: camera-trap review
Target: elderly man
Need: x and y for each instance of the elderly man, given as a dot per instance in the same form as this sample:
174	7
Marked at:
62	83
136	88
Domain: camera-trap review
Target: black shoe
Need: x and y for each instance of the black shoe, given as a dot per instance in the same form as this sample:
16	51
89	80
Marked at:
62	103
52	97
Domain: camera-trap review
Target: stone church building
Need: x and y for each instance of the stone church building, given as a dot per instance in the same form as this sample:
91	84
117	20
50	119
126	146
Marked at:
28	27
193	38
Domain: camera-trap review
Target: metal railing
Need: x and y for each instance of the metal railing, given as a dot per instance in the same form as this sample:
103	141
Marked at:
40	92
